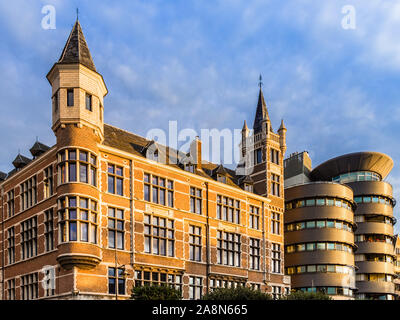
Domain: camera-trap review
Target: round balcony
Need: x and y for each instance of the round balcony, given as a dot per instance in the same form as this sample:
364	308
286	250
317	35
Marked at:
323	280
319	212
375	267
318	235
79	254
374	228
375	247
375	287
319	257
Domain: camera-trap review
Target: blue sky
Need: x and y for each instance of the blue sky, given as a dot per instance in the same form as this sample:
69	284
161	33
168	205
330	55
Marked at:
198	62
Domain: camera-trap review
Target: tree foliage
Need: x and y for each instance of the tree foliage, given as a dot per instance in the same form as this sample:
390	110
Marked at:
238	293
156	293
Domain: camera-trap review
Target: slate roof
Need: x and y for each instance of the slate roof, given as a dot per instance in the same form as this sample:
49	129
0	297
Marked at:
38	148
20	161
261	113
3	176
135	144
76	49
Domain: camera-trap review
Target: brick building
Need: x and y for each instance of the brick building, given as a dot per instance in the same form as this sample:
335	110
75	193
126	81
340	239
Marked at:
104	210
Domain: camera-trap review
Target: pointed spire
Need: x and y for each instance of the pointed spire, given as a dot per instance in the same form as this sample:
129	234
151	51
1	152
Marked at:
261	112
76	49
282	127
245	128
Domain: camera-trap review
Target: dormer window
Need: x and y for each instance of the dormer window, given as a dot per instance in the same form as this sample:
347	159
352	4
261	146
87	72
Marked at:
248	187
155	155
70	97
89	102
221	178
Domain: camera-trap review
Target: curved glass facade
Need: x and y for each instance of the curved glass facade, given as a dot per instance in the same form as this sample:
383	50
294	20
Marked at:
357	176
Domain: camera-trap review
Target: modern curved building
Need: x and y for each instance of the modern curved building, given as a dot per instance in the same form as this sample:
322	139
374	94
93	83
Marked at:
372	201
319	238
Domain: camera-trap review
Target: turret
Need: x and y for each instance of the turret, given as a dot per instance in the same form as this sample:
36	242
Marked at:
78	89
245	134
282	137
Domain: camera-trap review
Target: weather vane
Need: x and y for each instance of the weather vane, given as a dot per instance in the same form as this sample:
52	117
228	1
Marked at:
260	83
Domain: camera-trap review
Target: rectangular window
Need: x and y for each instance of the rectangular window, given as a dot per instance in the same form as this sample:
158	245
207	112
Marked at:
195	288
28	193
77	219
195	200
158	190
55	102
275	223
89	102
116	228
48	230
10	203
11	289
275	156
258	156
195	243
228	209
48	182
72	167
116	279
115	179
166	278
11	245
228	248
276	258
254	216
159	236
29	286
70	97
29	238
275	185
254	252
276	292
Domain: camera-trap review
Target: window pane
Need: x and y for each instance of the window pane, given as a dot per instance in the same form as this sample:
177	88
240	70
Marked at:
120	240
83	172
111	187
146	192
119	186
72	231
111	239
84	232
72	171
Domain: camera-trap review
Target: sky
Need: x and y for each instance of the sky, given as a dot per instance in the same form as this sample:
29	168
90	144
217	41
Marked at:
332	75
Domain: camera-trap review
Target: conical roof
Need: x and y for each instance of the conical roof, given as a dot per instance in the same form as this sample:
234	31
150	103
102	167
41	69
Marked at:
76	49
261	113
245	128
282	127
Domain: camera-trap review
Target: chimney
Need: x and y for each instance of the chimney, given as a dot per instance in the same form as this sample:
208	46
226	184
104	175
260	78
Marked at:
195	152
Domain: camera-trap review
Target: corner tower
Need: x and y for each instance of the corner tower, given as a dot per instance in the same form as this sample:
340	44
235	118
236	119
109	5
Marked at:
78	89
